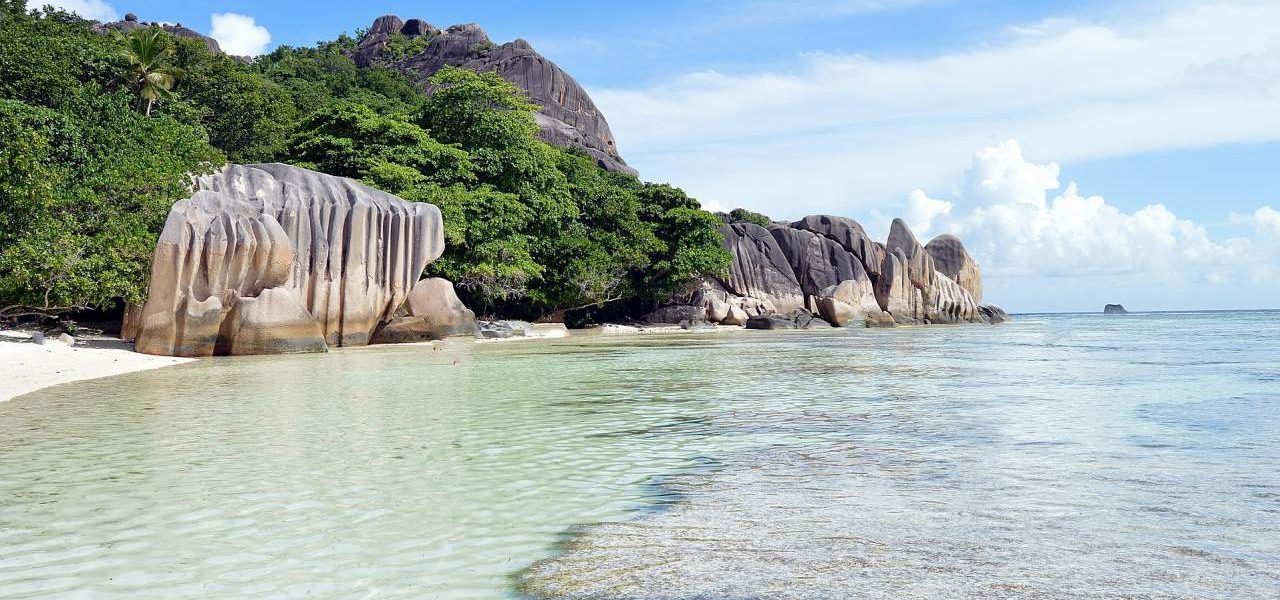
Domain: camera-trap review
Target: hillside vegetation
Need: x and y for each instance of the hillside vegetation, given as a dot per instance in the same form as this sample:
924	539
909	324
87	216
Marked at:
99	135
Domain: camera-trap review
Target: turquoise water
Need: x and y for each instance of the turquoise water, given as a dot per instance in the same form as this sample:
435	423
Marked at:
1053	457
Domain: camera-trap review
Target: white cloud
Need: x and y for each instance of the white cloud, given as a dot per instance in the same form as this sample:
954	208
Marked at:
841	133
923	210
89	9
1027	231
239	35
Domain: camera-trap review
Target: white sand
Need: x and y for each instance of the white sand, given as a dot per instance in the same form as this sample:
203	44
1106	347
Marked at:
26	367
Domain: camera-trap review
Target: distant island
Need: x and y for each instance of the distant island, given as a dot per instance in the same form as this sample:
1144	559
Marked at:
1114	309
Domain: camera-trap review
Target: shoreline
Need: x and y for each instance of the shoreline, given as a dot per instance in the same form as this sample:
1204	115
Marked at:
31	367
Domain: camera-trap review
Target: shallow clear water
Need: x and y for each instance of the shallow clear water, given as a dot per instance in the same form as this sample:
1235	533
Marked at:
1053	457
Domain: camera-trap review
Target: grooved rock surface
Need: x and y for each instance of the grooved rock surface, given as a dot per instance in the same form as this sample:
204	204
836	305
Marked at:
951	259
760	269
568	117
431	312
267	259
850	235
829	266
851	303
817	262
895	292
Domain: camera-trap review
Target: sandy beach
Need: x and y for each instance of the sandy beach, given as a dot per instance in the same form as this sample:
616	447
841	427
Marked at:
28	366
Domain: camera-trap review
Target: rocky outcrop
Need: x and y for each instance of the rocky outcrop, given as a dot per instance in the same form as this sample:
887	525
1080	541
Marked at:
131	22
431	312
274	259
951	259
1114	309
829	266
568	116
761	271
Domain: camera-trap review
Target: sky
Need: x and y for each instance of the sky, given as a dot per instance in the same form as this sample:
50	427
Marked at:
1086	152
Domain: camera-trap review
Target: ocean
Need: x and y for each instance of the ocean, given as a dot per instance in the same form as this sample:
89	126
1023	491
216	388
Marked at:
1057	456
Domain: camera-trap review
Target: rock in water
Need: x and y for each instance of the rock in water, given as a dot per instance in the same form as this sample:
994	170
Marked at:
951	259
1114	309
851	303
271	258
432	312
568	116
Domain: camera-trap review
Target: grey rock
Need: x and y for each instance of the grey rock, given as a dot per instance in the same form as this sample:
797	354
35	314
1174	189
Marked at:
760	269
993	315
418	27
677	313
431	312
736	316
273	258
506	329
1114	309
770	322
38	338
850	235
568	116
816	261
951	259
920	267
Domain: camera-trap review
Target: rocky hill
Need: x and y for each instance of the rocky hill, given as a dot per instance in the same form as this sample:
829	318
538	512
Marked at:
569	118
131	22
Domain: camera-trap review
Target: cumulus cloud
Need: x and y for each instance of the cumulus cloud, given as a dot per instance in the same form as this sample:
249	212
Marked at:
89	9
239	35
842	133
1025	228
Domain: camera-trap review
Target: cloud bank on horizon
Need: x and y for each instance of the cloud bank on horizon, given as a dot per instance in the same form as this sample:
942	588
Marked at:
1044	245
854	134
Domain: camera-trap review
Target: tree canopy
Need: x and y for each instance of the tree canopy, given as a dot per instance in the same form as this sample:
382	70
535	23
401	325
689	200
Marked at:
100	134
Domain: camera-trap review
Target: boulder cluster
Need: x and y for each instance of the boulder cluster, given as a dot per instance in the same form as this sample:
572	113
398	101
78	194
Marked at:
568	117
824	270
269	259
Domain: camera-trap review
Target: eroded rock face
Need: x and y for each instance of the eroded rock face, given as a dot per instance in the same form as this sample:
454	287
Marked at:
851	303
817	261
568	116
951	259
267	259
829	266
432	311
760	270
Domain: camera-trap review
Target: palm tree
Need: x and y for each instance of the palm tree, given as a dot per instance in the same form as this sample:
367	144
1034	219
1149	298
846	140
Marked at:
147	50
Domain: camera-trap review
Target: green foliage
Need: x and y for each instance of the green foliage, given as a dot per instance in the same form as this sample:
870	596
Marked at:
85	180
739	215
147	51
350	140
84	194
323	75
248	117
401	46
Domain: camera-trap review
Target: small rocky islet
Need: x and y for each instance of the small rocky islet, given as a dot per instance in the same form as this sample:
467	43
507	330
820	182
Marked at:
273	258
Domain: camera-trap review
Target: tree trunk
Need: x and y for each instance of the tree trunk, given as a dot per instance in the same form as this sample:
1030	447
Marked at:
149	103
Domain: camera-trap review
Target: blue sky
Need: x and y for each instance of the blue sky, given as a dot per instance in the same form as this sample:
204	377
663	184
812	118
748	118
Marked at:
1087	152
